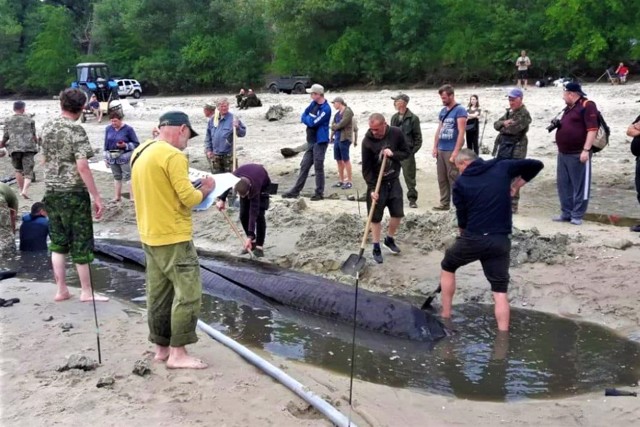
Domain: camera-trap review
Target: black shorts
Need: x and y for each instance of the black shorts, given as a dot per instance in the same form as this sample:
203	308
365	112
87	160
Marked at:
493	251
390	197
523	74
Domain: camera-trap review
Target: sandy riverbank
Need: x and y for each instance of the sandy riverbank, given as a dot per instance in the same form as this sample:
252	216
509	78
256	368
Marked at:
586	272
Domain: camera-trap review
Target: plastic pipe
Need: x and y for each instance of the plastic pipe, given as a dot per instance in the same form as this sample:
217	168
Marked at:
335	416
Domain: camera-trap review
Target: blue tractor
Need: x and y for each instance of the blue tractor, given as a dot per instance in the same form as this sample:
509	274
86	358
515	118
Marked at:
94	78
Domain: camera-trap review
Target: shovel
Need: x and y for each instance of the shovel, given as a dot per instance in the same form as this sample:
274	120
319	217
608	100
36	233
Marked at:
430	297
356	262
235	230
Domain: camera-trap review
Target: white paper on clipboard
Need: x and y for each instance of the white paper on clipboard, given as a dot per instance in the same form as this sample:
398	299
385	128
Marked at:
224	181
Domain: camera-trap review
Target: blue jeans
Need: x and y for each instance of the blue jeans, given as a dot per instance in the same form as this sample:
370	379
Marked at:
314	156
574	185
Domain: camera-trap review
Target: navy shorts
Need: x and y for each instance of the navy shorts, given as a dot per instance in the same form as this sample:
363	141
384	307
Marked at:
492	250
341	150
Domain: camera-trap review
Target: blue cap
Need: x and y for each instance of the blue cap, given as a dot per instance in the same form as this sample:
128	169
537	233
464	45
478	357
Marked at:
515	93
574	87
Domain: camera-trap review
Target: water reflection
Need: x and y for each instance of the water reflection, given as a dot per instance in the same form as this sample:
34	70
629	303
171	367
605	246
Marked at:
542	356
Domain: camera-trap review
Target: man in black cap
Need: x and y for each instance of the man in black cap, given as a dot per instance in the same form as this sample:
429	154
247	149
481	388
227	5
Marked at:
164	199
410	125
574	137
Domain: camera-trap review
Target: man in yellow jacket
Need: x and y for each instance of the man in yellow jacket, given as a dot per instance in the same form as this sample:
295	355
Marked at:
164	199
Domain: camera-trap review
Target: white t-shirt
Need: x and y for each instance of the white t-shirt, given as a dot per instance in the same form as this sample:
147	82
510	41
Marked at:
523	63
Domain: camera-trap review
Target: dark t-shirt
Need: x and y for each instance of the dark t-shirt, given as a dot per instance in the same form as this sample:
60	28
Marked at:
574	125
636	120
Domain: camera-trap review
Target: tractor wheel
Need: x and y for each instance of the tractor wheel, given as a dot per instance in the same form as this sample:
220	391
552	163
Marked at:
273	88
298	88
136	94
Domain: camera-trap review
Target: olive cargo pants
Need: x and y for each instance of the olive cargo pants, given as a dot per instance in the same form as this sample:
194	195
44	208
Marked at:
409	172
173	290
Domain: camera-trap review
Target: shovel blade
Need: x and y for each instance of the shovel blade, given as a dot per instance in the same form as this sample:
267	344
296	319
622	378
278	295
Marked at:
430	297
353	265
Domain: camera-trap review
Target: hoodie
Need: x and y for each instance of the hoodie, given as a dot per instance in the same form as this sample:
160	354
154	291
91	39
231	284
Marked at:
394	140
482	194
33	233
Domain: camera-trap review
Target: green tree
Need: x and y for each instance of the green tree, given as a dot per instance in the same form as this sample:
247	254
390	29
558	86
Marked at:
53	50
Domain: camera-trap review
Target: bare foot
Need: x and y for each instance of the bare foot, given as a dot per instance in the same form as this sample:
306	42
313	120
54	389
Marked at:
24	195
87	297
62	296
162	354
185	362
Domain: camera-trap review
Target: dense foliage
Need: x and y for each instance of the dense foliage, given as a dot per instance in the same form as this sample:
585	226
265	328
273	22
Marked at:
189	45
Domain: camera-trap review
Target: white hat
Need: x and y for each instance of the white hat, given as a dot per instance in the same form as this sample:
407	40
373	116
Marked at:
316	88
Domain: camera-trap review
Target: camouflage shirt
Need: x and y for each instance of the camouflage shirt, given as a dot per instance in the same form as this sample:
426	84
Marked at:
20	134
519	128
8	200
64	142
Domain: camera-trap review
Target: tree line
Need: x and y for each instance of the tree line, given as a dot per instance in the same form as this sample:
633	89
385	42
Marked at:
194	45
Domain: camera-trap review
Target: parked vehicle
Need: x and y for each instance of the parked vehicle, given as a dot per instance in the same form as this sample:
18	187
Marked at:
94	78
129	87
289	84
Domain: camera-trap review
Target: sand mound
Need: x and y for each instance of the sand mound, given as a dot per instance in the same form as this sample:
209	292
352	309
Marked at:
528	246
122	211
287	213
429	232
339	231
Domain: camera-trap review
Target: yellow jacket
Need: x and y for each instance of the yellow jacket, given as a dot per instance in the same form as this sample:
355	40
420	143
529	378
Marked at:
164	195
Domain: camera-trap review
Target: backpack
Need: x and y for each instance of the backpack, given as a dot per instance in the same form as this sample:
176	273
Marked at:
602	136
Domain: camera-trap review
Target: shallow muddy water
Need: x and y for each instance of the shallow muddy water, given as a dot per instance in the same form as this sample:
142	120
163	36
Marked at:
543	356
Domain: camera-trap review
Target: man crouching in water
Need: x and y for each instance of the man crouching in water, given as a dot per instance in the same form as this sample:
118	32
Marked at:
164	198
482	197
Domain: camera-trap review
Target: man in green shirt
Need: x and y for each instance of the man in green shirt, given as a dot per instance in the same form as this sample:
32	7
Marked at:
8	213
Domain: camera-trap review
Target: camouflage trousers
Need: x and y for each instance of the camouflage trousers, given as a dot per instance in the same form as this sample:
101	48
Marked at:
7	239
173	290
221	164
23	162
70	224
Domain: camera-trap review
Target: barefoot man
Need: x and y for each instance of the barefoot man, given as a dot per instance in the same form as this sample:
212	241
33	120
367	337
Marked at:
69	190
164	198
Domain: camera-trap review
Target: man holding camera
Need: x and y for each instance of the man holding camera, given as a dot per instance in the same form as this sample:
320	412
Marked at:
576	131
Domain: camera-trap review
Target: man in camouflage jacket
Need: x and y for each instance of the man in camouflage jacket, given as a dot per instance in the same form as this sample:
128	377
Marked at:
513	126
21	142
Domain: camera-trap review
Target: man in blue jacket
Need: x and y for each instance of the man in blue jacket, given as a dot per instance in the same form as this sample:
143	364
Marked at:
482	197
34	229
316	117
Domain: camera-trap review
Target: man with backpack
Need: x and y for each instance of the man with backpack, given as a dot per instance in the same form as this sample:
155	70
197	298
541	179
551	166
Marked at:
575	136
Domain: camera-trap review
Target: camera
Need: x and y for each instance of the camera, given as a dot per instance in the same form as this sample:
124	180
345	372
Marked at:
555	124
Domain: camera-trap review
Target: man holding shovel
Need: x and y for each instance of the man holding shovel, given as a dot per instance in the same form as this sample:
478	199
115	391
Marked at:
384	140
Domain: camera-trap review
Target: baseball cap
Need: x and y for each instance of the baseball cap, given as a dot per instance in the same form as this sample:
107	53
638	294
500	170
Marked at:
176	118
18	105
515	93
574	87
401	96
210	105
339	99
316	88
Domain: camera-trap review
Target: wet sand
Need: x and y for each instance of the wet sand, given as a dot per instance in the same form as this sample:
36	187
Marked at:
579	272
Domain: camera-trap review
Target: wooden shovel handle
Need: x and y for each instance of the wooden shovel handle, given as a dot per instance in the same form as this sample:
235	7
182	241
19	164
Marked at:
235	230
373	204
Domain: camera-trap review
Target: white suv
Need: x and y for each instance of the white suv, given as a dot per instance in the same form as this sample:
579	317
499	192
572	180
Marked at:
129	87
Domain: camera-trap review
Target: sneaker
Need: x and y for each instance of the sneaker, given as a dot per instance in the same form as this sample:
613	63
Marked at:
560	219
258	253
576	221
316	198
441	208
289	196
635	228
390	243
337	185
347	186
413	204
377	255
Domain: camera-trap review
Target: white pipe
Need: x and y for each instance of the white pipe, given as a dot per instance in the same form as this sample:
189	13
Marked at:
308	396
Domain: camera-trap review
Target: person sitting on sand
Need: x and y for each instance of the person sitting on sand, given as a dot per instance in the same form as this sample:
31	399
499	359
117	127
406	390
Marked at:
94	106
164	199
621	72
34	229
251	100
239	97
253	189
69	188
